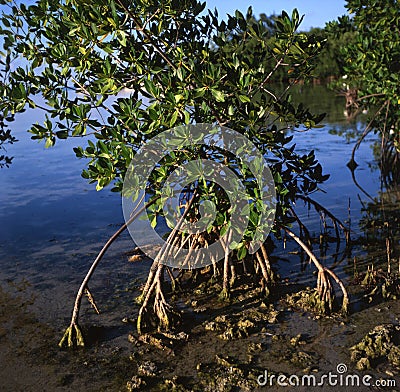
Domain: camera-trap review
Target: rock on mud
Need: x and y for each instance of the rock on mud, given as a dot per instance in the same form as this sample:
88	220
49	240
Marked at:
379	344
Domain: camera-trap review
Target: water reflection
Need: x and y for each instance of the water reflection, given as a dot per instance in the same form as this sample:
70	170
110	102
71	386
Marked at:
319	99
380	224
360	195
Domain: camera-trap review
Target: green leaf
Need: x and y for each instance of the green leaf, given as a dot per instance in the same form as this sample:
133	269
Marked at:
49	142
173	118
199	92
187	117
241	253
218	95
153	221
233	245
244	98
150	88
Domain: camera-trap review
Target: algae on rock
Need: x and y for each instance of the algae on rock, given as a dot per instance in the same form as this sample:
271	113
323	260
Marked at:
380	344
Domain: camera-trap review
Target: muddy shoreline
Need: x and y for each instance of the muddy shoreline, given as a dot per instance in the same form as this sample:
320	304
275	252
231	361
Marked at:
225	347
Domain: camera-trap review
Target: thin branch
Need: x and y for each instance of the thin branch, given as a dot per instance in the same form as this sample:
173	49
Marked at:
141	29
369	96
366	131
319	208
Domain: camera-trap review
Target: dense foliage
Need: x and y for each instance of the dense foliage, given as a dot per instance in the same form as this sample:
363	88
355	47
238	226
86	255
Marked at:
329	63
372	65
192	68
336	35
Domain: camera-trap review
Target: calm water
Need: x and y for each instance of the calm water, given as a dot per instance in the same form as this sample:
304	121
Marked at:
52	222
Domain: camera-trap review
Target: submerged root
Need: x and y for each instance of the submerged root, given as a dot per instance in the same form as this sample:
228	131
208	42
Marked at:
72	337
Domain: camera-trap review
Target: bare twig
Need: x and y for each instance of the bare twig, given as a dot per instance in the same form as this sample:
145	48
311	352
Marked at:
91	300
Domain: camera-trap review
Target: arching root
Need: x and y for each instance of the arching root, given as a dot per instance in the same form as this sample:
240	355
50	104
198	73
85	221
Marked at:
345	301
166	314
225	293
324	285
325	292
73	335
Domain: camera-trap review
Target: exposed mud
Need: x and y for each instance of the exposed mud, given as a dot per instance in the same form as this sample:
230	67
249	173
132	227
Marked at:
220	347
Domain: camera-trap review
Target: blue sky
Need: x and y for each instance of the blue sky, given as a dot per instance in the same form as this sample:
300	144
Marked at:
317	12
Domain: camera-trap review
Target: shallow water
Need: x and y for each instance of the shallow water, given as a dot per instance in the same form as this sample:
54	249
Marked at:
53	223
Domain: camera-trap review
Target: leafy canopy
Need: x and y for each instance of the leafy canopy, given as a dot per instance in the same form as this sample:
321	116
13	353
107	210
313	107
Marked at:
121	72
372	62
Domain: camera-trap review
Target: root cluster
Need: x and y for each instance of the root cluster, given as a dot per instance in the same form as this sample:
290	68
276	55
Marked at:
156	312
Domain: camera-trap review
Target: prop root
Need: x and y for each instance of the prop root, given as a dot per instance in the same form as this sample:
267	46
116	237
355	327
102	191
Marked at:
324	286
73	335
